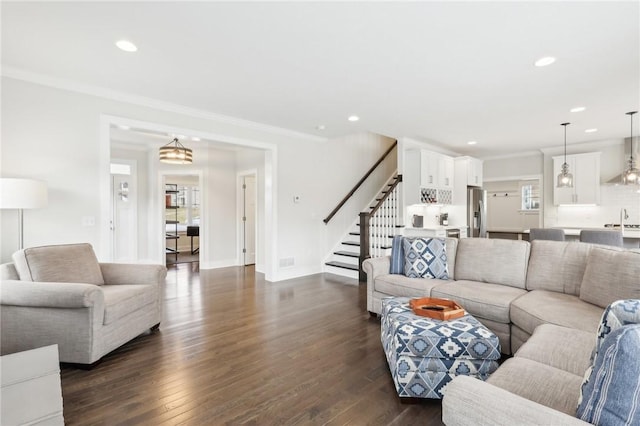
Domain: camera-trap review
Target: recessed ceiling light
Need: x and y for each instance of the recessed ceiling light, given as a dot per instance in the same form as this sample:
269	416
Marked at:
353	118
195	139
472	142
577	109
591	130
321	127
543	62
123	127
126	45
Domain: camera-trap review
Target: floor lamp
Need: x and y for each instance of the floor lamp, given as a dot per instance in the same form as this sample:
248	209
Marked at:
22	194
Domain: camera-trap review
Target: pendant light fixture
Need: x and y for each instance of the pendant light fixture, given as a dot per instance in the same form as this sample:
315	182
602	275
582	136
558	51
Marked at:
175	153
631	176
565	179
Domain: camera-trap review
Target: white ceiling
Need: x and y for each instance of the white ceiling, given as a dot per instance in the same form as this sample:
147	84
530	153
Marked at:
445	72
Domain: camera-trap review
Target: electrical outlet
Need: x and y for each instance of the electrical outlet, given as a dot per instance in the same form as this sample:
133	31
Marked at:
88	221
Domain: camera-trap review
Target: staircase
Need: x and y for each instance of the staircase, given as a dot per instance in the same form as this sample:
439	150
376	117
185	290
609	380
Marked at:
381	223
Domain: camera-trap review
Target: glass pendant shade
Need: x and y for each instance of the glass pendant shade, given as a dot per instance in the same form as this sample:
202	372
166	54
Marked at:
175	153
565	179
631	175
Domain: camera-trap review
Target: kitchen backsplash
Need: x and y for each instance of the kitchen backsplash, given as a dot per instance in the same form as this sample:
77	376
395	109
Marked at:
612	199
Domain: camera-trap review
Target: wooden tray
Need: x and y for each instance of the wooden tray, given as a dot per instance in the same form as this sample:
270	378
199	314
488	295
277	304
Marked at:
441	309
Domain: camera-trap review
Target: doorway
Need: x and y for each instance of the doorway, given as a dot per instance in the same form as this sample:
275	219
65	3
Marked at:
124	212
248	223
182	215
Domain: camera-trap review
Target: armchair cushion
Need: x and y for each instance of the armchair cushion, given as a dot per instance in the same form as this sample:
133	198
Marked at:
120	300
70	263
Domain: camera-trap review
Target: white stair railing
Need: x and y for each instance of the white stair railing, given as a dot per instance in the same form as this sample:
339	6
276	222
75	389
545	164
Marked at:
378	226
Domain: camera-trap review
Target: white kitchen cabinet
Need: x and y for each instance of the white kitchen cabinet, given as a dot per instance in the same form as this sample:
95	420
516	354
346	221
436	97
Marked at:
429	169
427	172
471	170
585	169
445	166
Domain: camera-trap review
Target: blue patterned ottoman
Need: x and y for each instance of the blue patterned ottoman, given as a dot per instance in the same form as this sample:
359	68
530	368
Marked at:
425	354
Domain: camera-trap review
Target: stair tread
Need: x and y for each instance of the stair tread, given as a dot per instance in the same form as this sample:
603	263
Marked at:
347	253
351	243
342	265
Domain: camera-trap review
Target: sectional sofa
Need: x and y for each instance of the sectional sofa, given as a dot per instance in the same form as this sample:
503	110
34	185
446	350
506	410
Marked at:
545	300
513	286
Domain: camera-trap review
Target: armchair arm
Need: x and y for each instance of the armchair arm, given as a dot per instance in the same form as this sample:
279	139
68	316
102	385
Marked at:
469	401
130	273
50	295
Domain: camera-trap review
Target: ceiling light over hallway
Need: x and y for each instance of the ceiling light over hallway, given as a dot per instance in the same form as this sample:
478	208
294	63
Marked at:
353	118
631	176
175	153
578	109
565	179
543	62
126	45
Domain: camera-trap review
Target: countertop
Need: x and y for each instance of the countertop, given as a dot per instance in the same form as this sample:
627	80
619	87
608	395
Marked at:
434	228
628	233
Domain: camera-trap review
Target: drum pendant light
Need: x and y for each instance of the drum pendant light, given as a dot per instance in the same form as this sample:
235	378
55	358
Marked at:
631	176
175	153
565	179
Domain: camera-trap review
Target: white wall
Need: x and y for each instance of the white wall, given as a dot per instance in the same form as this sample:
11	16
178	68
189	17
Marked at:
512	167
54	134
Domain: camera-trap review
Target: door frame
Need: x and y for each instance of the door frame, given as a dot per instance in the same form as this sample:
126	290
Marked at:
240	260
269	185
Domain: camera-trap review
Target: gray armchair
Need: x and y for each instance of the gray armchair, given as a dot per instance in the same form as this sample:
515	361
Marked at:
62	295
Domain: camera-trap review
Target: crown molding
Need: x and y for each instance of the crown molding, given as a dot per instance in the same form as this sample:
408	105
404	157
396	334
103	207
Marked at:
114	95
512	155
588	146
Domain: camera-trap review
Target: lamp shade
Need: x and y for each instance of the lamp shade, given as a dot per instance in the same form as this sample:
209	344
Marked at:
22	193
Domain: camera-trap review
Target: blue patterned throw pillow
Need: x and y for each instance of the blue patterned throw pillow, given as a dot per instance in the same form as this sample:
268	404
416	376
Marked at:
611	394
397	256
425	258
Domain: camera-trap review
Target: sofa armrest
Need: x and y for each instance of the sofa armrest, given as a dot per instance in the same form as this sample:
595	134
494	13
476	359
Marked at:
375	266
469	401
50	295
128	273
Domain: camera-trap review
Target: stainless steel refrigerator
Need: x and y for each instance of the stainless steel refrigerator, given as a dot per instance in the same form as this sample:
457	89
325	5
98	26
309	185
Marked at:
476	212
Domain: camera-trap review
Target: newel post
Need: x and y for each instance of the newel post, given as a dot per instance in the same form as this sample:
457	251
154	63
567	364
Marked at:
364	244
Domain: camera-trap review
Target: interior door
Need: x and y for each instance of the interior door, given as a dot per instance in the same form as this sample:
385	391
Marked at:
124	218
249	219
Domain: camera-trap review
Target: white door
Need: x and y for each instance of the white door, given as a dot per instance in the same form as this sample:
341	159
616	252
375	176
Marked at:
124	230
249	219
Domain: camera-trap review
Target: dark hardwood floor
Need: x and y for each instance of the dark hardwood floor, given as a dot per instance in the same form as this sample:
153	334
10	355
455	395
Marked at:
234	349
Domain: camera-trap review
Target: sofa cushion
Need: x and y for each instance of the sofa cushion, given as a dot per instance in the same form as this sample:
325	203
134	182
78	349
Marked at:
485	300
557	266
399	285
425	258
540	307
611	394
539	382
561	347
122	299
492	261
610	275
69	263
